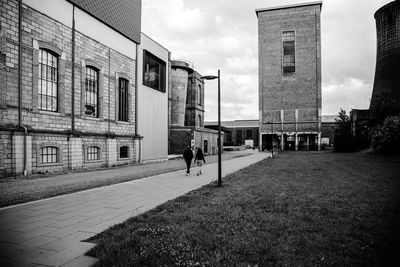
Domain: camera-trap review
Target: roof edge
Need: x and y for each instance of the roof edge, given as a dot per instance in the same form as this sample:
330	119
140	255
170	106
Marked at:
289	6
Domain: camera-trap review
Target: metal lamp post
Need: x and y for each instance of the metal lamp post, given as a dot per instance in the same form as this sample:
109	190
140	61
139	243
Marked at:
212	77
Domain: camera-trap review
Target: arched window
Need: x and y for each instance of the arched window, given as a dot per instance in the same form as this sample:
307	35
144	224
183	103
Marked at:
124	152
48	80
92	92
93	153
49	154
199	121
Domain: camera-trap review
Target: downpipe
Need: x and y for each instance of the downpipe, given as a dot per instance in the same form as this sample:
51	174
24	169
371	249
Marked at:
20	126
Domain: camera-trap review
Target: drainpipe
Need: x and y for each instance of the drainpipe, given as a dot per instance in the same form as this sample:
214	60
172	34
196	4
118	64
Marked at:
137	103
20	84
109	90
73	73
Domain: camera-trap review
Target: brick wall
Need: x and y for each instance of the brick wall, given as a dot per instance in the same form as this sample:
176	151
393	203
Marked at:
282	94
47	128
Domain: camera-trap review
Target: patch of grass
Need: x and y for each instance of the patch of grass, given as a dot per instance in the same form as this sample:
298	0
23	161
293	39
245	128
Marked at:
300	209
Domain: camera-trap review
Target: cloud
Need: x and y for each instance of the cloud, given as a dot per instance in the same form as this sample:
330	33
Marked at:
352	93
223	35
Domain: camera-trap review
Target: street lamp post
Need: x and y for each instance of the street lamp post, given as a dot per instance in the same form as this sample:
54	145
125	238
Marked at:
212	77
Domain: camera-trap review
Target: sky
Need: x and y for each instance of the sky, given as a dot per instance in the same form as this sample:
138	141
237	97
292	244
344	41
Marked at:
223	34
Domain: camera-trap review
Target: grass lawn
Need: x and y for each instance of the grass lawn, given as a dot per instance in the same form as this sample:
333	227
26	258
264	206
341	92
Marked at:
299	209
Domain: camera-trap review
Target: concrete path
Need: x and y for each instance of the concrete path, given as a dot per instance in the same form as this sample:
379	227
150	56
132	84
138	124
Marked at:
49	232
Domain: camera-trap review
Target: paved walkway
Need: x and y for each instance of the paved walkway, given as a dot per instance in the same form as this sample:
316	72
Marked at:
49	232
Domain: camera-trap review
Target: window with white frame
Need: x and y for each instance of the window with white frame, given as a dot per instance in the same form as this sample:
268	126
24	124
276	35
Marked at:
48	80
93	153
91	92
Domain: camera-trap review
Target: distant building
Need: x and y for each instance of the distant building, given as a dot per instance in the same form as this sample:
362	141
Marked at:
328	126
237	131
289	41
186	111
386	92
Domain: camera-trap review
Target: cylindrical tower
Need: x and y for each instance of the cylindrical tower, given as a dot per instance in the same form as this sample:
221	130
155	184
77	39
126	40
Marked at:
387	72
180	71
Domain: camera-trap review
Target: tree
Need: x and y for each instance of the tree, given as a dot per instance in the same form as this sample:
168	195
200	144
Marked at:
344	140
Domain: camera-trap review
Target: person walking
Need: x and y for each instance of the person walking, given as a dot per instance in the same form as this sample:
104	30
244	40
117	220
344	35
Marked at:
188	156
199	159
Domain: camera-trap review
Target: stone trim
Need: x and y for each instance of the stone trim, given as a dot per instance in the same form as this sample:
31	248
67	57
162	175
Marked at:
61	92
49	46
48	144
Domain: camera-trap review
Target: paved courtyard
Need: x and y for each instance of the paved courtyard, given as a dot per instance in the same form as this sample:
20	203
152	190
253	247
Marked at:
49	232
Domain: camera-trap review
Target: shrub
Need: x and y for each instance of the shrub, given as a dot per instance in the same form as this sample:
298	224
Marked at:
385	137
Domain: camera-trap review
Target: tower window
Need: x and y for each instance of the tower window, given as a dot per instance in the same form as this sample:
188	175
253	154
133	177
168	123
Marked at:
288	58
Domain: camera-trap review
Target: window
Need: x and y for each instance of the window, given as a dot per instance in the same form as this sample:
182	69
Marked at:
48	75
49	154
124	152
93	153
199	95
288	60
239	137
123	99
249	134
153	71
92	95
199	119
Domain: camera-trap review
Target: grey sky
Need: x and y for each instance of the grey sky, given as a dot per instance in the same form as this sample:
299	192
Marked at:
222	34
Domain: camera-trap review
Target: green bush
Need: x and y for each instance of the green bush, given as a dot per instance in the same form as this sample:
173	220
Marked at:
385	137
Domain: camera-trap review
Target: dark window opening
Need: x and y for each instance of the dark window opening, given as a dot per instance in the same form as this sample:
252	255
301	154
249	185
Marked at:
249	134
199	95
153	71
288	59
123	99
92	88
47	83
124	152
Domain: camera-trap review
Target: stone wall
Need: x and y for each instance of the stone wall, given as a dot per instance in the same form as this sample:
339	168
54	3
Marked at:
56	129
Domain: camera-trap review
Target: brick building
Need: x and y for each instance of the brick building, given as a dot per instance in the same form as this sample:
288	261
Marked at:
68	84
237	132
289	43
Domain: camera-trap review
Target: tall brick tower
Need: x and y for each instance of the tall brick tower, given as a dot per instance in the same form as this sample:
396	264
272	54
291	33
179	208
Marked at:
289	45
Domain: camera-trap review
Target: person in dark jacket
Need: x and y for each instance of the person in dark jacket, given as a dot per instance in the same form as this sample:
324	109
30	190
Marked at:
199	159
188	156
